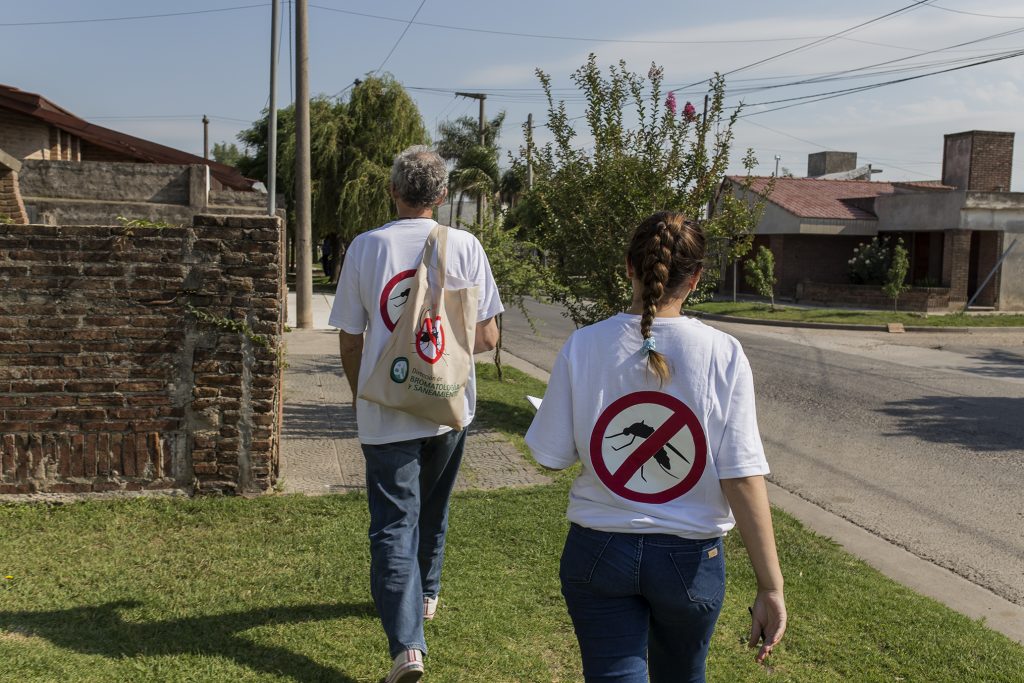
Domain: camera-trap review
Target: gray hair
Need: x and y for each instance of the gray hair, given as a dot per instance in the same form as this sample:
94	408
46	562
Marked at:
419	176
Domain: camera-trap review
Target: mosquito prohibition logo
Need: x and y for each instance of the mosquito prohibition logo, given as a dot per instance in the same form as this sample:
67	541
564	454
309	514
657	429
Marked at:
430	339
394	297
648	447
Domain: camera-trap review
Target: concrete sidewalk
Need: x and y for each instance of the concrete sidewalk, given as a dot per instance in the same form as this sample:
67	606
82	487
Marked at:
320	450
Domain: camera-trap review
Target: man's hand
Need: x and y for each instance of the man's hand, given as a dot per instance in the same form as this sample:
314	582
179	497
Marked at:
351	346
486	336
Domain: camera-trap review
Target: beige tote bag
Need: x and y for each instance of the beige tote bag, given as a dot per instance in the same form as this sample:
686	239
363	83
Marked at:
426	363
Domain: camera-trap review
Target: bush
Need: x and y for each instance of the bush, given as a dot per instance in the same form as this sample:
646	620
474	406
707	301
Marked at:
871	261
761	273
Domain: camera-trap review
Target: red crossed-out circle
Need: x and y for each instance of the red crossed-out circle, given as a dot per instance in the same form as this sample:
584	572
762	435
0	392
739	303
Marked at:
680	416
431	335
385	297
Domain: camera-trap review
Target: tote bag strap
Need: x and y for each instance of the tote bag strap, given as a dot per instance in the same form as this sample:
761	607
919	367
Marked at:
436	250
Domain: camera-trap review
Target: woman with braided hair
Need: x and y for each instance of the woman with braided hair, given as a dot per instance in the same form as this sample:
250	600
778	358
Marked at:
659	409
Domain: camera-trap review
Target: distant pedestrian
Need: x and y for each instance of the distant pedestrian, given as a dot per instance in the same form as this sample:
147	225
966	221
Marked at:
327	248
659	408
411	463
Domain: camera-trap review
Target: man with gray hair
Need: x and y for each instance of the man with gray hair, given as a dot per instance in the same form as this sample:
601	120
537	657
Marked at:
411	463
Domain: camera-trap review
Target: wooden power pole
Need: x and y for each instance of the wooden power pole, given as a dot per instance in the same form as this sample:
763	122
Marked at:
303	198
275	12
481	97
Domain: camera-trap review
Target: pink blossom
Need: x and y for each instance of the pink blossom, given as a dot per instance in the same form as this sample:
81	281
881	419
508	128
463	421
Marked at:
670	103
689	111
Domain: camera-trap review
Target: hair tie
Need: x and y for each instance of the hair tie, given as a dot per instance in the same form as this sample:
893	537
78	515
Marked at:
649	345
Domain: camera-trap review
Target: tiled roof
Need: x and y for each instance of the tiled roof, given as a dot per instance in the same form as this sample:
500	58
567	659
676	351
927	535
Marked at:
41	108
813	198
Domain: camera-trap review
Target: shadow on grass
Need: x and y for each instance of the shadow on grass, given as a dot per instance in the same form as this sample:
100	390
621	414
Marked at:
101	630
981	424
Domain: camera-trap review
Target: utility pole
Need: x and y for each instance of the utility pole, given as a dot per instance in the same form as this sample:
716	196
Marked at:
479	96
303	210
272	115
206	137
529	157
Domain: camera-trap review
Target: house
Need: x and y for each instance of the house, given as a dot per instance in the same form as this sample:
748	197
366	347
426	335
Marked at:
59	169
956	231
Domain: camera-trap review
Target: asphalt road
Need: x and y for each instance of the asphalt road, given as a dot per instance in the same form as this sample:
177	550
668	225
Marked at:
918	438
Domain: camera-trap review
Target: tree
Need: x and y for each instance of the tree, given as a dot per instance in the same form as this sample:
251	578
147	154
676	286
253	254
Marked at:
585	202
226	153
761	274
516	269
352	144
475	169
895	277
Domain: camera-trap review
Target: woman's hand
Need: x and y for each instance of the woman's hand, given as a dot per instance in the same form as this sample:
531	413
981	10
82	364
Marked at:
767	622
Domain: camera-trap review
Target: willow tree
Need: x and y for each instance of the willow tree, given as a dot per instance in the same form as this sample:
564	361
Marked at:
646	154
352	145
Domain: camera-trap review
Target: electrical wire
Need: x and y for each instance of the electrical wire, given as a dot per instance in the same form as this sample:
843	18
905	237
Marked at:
556	37
817	42
131	18
404	31
974	14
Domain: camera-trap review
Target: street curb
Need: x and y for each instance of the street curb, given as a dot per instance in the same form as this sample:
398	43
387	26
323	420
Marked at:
904	567
898	564
849	326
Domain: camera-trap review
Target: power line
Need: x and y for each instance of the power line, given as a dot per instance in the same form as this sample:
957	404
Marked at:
818	97
131	18
817	42
404	31
557	37
974	14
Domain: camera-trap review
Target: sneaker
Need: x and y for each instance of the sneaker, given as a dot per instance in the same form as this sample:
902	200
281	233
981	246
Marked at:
408	668
430	607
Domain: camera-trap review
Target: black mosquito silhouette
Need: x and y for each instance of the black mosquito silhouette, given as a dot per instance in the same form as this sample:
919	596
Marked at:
642	430
404	295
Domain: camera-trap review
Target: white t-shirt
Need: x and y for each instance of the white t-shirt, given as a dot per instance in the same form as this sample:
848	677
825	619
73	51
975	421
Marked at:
372	290
652	456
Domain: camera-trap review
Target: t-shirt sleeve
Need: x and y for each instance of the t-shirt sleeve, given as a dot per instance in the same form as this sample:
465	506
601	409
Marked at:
348	313
488	302
740	452
550	436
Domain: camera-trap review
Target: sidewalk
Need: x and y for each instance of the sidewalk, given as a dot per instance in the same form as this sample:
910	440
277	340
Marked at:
320	450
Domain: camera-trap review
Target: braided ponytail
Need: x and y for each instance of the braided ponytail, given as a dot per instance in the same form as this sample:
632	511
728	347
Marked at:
664	252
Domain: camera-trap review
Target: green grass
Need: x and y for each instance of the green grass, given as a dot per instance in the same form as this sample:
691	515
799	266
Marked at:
743	309
275	589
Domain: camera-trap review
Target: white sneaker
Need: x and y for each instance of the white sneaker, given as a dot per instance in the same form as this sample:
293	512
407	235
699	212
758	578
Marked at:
408	668
430	607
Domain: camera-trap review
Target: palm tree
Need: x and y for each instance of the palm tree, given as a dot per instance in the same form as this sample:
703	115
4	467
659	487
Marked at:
475	171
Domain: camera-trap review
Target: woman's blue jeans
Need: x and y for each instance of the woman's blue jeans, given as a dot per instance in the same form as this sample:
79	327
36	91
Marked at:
408	484
640	601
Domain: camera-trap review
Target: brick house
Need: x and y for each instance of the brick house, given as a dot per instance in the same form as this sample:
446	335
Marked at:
53	164
955	230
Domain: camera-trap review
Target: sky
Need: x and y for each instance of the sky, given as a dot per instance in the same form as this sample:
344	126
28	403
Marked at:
156	77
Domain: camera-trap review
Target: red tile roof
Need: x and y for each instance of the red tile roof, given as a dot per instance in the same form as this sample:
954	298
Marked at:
813	198
41	108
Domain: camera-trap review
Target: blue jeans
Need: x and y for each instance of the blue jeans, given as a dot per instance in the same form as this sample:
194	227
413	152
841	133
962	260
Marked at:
639	600
408	484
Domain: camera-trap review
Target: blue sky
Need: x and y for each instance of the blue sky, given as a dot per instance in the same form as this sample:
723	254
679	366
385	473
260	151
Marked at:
155	78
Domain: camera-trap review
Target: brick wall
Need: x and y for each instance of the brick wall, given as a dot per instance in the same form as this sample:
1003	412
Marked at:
23	137
109	382
923	299
12	209
991	162
956	263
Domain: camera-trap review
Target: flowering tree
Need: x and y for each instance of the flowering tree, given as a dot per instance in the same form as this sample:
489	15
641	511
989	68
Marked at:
586	201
